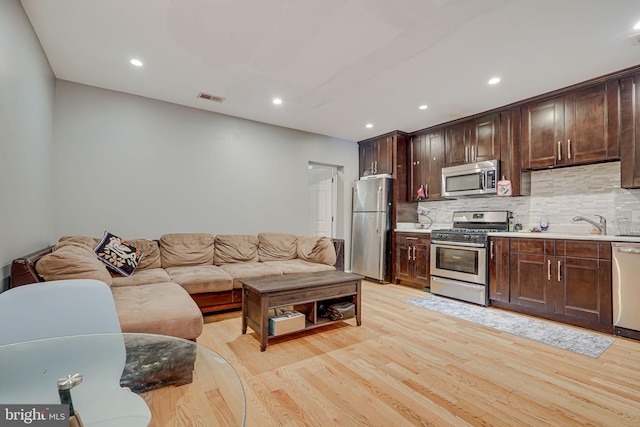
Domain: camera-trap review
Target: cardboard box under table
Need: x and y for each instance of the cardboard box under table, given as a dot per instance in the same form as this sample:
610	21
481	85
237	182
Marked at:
286	322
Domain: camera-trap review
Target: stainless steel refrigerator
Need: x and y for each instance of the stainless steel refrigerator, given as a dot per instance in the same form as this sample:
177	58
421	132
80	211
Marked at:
371	228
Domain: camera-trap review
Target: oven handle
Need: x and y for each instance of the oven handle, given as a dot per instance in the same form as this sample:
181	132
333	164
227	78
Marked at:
458	244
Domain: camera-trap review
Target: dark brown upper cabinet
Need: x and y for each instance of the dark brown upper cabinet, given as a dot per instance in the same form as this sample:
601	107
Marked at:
511	152
473	141
426	158
630	132
376	156
577	128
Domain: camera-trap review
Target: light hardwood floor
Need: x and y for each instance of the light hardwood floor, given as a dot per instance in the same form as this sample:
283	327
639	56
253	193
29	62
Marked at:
409	366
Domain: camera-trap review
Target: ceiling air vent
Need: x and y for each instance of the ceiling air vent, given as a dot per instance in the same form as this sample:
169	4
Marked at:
211	97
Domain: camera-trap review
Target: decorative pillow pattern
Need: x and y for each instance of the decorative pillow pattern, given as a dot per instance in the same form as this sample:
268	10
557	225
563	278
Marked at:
118	254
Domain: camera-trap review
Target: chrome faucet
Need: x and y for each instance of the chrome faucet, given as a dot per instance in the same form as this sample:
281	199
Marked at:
602	226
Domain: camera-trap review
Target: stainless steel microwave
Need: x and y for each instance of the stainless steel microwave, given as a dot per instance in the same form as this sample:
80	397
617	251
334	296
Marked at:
472	179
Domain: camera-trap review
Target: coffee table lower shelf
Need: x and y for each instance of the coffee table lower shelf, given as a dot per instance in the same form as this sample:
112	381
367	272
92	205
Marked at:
303	292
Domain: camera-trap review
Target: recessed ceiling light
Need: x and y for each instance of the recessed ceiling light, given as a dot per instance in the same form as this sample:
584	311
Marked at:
277	101
369	125
423	107
136	62
637	26
494	81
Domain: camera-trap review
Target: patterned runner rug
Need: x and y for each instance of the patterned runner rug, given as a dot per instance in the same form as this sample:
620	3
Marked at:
566	338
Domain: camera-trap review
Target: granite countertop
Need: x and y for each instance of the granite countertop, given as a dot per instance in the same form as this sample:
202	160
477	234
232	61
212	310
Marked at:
414	228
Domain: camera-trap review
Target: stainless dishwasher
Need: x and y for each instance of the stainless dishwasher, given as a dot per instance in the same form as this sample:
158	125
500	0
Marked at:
626	289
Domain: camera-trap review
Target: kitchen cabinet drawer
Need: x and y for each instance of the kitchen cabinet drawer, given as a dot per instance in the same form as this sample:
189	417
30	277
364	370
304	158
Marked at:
533	246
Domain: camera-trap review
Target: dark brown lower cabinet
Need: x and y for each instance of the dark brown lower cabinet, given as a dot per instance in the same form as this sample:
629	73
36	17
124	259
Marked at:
412	263
499	269
564	280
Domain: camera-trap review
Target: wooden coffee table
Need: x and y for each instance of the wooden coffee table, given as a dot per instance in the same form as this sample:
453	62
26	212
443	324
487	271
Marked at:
303	291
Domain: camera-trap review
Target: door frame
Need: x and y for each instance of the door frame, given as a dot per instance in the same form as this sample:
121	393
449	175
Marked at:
312	168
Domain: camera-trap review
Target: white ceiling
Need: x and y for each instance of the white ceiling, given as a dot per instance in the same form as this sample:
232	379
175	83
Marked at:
337	64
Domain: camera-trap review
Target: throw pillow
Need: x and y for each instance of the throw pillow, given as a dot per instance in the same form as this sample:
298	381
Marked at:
182	249
276	247
317	249
118	254
233	248
72	261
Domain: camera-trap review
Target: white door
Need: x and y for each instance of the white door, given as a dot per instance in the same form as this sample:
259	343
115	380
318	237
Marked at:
322	184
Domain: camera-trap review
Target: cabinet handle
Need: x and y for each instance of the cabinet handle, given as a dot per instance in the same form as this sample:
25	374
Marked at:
466	154
559	269
549	269
474	150
491	249
414	253
559	150
569	149
376	167
409	253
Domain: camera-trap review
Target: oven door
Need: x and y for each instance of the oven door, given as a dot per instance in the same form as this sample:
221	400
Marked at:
459	261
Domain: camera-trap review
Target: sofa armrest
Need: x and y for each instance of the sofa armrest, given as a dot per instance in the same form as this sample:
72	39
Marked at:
339	245
23	269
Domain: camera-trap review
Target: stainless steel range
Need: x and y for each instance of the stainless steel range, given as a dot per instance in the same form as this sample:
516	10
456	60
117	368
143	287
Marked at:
459	261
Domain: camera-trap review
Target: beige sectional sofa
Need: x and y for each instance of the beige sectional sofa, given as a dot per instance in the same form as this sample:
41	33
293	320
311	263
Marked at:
181	275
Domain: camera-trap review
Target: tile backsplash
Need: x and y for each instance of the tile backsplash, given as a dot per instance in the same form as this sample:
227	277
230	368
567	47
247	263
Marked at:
558	195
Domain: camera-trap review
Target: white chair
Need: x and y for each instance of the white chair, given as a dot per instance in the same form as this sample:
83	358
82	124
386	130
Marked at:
39	344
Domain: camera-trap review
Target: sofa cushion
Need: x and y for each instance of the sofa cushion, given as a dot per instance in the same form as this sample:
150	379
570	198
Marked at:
118	254
72	261
276	246
151	250
141	277
180	249
201	278
88	241
317	249
298	266
160	308
248	270
233	248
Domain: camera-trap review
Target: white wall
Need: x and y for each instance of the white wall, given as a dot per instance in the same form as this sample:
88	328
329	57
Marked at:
141	168
26	118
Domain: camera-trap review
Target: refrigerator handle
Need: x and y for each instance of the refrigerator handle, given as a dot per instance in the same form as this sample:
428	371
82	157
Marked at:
380	207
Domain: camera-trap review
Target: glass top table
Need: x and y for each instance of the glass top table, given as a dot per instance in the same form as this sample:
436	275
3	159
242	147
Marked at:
127	380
